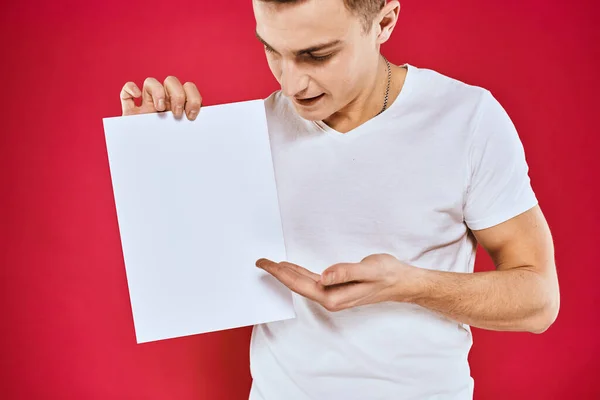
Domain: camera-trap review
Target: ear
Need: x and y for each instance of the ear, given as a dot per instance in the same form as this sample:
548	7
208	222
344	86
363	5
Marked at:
388	17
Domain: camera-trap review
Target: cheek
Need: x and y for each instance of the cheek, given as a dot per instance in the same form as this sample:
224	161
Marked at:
339	76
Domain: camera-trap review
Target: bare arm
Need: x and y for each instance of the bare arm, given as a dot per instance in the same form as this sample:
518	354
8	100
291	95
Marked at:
522	294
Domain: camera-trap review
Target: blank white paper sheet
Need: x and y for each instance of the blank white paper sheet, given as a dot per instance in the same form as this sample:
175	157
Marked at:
197	205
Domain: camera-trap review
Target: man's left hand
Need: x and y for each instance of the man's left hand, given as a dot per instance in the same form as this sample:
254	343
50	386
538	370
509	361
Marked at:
377	278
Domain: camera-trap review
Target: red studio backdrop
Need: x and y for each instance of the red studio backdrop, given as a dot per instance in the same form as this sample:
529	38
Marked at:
67	329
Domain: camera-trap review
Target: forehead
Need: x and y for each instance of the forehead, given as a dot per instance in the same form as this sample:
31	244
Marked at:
304	23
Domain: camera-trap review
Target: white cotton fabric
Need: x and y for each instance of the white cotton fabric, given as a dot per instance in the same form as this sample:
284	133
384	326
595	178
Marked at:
442	159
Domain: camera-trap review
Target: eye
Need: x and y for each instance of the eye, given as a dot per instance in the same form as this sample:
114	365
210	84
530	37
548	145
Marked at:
269	50
321	58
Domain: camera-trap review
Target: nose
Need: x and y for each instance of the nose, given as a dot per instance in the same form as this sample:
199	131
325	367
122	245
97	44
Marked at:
293	80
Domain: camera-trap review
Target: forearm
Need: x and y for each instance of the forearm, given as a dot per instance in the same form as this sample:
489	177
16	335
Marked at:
518	299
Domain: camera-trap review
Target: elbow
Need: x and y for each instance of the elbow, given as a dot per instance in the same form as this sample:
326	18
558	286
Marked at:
547	315
543	323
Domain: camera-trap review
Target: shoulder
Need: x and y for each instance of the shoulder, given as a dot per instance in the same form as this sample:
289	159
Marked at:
487	115
466	107
443	93
437	85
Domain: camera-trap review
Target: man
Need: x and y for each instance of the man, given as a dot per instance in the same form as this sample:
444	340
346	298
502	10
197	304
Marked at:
388	177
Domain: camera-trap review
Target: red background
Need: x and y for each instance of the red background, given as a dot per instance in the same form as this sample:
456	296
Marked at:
67	330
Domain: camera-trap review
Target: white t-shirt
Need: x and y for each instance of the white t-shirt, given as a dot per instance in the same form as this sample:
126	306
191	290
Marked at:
442	159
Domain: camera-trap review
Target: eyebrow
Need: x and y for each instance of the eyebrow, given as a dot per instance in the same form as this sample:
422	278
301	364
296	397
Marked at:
311	49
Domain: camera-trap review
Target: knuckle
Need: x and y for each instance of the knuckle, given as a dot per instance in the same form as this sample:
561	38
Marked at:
149	81
377	259
191	88
177	99
331	304
194	103
371	257
343	274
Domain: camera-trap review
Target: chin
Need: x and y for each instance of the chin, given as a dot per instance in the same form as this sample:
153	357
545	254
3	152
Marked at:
313	114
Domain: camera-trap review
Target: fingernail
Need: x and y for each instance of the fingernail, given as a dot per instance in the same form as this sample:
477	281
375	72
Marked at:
192	113
161	104
178	110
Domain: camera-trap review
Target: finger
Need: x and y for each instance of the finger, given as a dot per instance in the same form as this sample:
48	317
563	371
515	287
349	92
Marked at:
129	93
347	272
175	95
193	100
294	267
295	281
153	95
347	295
301	270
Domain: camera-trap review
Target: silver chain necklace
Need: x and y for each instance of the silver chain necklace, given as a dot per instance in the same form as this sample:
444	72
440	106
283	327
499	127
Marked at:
387	90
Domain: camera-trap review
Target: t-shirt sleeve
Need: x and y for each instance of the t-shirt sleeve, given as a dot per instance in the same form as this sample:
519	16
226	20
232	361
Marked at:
498	182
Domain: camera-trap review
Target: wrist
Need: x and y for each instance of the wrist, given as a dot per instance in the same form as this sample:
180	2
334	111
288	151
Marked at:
413	284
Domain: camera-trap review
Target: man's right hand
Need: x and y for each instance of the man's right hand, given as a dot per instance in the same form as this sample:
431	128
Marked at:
173	96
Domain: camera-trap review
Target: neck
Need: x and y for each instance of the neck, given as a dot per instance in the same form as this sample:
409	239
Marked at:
369	102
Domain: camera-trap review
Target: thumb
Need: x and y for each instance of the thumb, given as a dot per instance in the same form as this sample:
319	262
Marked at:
129	93
344	273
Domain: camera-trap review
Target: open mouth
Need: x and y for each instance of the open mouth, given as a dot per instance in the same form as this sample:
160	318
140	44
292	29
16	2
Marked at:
310	100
